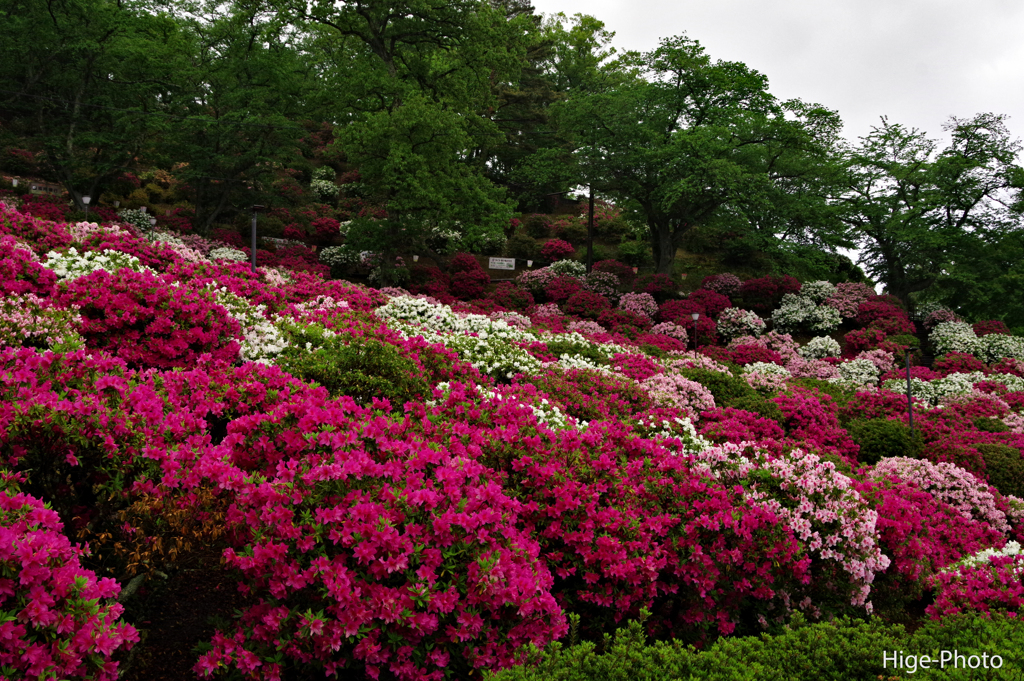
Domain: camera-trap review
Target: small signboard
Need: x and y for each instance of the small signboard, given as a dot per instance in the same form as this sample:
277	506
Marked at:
502	263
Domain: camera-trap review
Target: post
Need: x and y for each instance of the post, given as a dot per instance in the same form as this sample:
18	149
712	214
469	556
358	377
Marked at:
85	201
590	231
695	316
910	401
255	212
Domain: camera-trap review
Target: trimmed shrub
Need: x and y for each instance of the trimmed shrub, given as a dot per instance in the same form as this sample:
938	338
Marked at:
521	246
882	438
363	368
1004	467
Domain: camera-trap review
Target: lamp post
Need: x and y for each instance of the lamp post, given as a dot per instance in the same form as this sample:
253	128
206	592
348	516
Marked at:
695	316
152	223
910	400
255	211
86	200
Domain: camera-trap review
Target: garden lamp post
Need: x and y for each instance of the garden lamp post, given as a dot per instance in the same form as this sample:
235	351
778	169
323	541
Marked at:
86	200
14	182
255	211
152	223
695	316
910	399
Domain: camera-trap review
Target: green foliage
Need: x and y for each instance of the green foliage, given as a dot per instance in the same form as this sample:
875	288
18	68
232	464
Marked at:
584	350
759	405
728	390
635	253
840	650
1004	467
990	425
839	394
362	368
926	220
521	246
882	438
537	225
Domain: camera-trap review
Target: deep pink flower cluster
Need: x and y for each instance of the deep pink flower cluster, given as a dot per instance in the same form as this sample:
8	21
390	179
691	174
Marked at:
511	297
712	302
147	322
737	425
958	362
748	354
764	294
373	547
624	321
20	271
562	288
986	327
662	341
583	303
658	285
556	249
151	254
58	623
920	533
811	418
996	585
637	367
877	308
41	235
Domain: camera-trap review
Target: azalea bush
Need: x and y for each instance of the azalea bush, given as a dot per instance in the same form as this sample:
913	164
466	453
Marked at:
141	318
59	621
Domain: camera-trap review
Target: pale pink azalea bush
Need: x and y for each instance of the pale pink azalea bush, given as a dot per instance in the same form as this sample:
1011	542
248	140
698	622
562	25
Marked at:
672	390
834	523
972	498
639	303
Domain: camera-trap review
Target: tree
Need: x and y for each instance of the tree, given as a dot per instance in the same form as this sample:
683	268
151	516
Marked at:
240	100
924	217
82	81
682	138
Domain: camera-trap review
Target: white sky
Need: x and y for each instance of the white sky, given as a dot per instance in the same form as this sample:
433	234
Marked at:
915	61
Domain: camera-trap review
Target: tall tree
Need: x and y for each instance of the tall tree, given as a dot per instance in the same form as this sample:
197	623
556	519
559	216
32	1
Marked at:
684	137
84	82
412	98
922	216
243	93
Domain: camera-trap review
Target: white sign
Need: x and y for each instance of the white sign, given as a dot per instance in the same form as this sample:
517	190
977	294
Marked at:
502	263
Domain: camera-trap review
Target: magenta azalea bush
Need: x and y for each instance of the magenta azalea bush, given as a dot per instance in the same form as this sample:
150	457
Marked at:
594	455
57	618
148	321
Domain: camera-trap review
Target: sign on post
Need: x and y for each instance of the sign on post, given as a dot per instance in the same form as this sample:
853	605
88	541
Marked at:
502	263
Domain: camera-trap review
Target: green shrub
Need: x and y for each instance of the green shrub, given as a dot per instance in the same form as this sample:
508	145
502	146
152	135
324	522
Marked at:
537	225
572	230
990	425
521	246
635	253
585	350
363	368
1005	468
882	438
838	393
840	650
728	390
761	406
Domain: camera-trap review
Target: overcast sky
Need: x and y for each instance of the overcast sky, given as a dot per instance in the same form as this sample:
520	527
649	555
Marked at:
915	61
